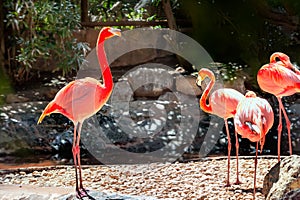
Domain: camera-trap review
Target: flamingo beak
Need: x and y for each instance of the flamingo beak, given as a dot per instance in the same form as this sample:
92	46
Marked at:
254	128
199	81
116	32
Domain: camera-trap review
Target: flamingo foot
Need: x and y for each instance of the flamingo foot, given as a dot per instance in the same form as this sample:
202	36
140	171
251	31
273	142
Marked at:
82	193
227	184
237	182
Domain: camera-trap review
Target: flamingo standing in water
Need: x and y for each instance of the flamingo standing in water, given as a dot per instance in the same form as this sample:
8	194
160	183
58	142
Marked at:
280	78
81	99
223	103
253	119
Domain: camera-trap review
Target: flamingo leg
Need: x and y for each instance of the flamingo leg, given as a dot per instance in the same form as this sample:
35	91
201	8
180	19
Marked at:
78	156
288	125
255	168
80	191
75	152
237	159
229	150
279	128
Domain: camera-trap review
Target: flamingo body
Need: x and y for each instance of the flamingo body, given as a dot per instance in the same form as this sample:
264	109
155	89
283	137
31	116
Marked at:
253	119
280	78
81	99
78	100
223	103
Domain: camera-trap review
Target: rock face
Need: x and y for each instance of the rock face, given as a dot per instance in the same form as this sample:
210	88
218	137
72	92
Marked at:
152	80
271	178
294	194
283	180
187	85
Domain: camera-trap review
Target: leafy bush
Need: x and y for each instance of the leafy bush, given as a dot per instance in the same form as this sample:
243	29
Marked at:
42	30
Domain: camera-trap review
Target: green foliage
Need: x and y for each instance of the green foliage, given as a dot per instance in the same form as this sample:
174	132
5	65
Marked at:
43	30
5	86
114	10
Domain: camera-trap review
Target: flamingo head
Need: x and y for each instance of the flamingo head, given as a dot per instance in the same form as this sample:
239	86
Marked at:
250	94
202	74
281	56
254	132
285	59
108	32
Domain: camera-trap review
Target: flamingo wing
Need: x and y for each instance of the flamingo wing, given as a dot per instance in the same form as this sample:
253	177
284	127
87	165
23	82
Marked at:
278	80
267	114
78	100
224	102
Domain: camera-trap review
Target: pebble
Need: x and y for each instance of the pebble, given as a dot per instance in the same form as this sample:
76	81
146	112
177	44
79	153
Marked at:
193	180
22	173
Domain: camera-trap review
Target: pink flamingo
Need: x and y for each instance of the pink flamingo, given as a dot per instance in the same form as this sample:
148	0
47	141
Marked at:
280	78
253	119
81	99
223	103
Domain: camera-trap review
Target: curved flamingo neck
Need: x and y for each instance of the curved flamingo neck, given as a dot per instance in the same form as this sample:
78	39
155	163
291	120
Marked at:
105	69
204	106
285	60
274	56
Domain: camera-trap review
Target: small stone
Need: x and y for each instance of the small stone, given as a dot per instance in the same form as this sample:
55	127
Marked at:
22	173
14	98
32	181
36	173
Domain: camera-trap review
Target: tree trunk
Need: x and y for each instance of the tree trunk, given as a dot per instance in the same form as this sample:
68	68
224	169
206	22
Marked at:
2	41
169	14
84	11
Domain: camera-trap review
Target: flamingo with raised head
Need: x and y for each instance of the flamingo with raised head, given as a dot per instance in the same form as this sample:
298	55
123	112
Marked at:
222	102
253	119
81	99
280	78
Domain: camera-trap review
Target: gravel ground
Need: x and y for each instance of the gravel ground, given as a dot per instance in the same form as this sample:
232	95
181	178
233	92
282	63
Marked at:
203	179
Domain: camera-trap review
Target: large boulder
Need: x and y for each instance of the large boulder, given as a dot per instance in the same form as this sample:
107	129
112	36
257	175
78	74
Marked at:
187	85
283	179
